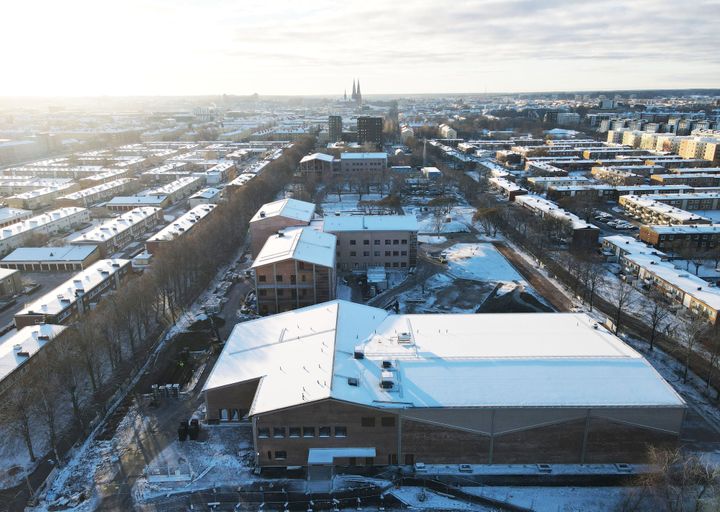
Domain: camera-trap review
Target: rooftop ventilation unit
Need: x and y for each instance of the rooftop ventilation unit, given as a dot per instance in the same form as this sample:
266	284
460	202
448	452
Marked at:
353	381
387	364
359	352
387	380
404	337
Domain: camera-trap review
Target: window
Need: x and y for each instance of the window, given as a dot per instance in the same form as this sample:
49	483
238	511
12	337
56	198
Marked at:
396	253
387	421
367	421
403	264
308	431
263	433
388	253
403	253
366	242
387	242
303	278
278	278
294	432
395	264
353	242
396	242
366	253
269	455
352	253
377	253
369	461
403	242
324	432
279	432
262	292
280	455
340	431
293	278
280	292
376	242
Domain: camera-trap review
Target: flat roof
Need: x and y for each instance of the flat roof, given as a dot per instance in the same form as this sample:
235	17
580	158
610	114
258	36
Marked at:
288	207
137	200
362	156
339	223
206	193
113	227
298	243
65	253
39	220
7	214
436	360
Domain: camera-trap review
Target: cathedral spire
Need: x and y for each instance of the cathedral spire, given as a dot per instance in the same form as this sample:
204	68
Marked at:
354	94
359	95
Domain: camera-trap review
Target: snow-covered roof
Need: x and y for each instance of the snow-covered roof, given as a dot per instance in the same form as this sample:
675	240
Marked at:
547	207
206	193
8	214
182	224
338	223
137	200
298	243
65	253
20	346
700	229
38	221
489	360
317	156
362	156
114	227
290	208
84	282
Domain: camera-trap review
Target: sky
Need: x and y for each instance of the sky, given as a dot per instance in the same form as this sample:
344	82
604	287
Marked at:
317	47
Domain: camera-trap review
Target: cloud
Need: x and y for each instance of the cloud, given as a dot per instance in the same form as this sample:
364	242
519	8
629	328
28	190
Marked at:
290	47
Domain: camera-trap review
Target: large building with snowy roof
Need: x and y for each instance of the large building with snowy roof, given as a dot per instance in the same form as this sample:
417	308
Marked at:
295	268
272	217
364	241
366	387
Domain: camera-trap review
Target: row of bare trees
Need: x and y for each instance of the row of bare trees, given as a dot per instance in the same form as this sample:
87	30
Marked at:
68	385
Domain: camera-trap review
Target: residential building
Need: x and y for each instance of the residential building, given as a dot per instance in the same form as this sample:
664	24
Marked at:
584	235
344	384
699	237
76	296
10	283
116	233
62	219
370	130
365	241
651	211
319	165
13	216
102	192
295	268
179	227
335	128
272	217
207	195
447	132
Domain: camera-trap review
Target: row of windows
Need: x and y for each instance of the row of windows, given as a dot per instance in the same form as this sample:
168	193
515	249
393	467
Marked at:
377	253
262	278
377	242
263	292
392	458
298	432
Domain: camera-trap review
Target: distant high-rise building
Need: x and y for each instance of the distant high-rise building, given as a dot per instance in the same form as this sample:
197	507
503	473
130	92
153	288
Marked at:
335	128
370	130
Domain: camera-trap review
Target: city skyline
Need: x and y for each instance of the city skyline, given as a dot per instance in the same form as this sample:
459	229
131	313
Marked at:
280	48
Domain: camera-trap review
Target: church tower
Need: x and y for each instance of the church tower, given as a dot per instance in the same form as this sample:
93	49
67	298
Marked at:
358	97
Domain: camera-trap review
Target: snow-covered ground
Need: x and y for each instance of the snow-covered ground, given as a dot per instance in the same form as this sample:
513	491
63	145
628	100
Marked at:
480	261
345	203
556	499
430	239
460	218
425	499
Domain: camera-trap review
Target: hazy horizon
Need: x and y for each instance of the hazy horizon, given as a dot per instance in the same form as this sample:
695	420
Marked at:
83	48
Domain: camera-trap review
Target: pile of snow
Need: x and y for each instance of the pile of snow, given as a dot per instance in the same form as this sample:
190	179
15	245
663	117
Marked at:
430	239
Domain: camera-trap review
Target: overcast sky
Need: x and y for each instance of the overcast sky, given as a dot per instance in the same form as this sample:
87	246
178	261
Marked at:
179	47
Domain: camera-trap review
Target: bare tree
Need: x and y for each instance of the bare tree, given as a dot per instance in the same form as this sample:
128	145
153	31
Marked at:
657	312
623	300
690	334
17	406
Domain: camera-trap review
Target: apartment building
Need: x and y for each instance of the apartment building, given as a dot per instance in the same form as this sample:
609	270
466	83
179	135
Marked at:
365	241
116	233
319	165
700	237
272	217
179	227
62	219
102	192
584	235
651	211
344	384
295	268
13	215
40	197
74	297
207	195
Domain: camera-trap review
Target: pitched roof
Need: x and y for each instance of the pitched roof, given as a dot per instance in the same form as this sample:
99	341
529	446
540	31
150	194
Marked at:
290	208
298	243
